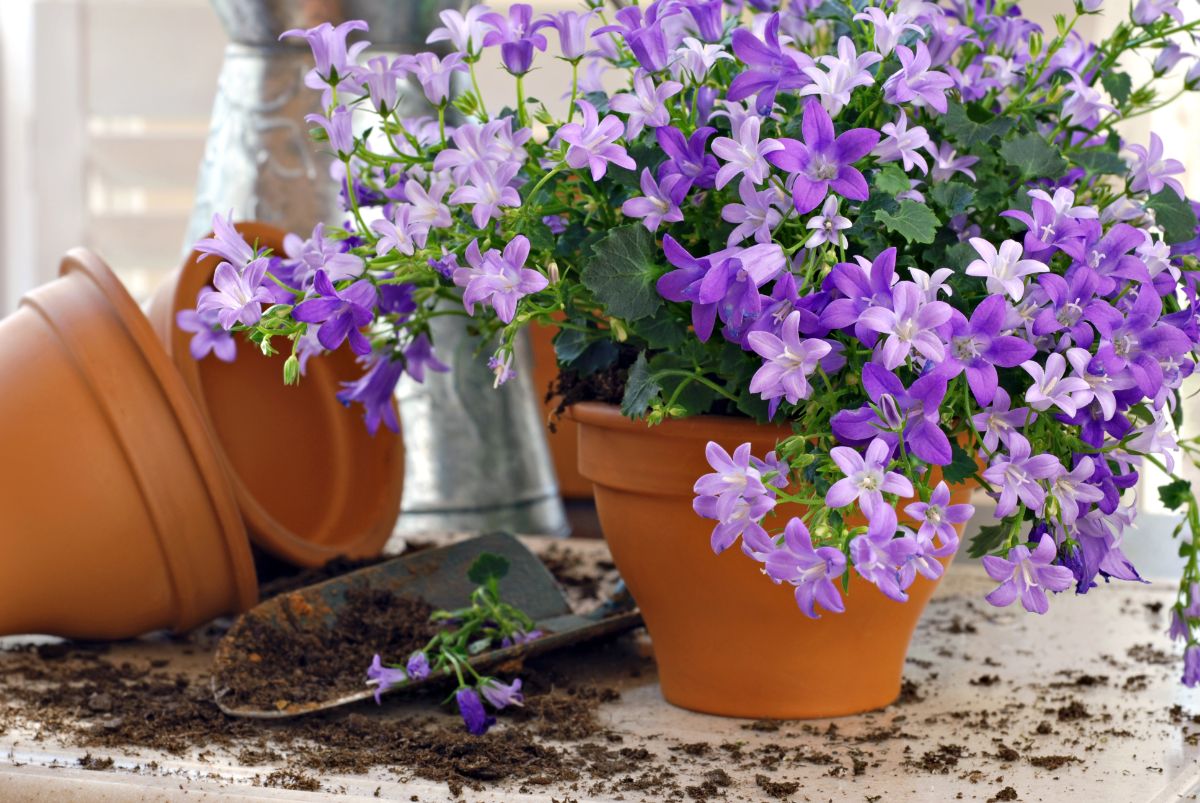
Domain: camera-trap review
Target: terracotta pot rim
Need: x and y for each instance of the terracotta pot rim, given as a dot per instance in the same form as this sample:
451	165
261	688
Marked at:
191	423
266	530
713	427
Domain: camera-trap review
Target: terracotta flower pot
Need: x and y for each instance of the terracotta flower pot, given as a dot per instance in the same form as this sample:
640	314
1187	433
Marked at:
311	482
115	515
563	439
727	640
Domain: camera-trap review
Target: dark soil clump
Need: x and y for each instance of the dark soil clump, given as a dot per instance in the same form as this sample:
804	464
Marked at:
318	663
780	790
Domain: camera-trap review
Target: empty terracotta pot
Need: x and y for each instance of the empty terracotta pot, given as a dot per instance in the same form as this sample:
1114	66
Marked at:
115	515
563	440
311	482
727	640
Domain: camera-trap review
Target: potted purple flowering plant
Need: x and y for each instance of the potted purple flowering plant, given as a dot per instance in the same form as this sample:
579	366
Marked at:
849	259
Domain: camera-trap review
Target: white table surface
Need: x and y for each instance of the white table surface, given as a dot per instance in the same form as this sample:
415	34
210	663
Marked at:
1132	747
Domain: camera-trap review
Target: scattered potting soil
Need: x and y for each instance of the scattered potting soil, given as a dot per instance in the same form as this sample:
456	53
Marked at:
273	666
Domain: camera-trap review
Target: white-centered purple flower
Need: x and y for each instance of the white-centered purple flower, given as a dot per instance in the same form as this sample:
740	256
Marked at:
1004	269
947	162
227	243
915	82
399	233
889	28
1073	491
878	560
823	161
501	695
646	105
207	335
500	280
998	423
434	74
494	142
734	494
464	32
428	208
788	360
813	571
1150	172
1051	388
382	77
339	129
694	59
659	201
341	313
1027	575
902	144
318	252
239	294
867	478
1018	475
977	347
592	143
334	60
517	36
489	190
756	215
1148	12
827	227
910	324
572	28
745	154
1082	102
938	517
843	73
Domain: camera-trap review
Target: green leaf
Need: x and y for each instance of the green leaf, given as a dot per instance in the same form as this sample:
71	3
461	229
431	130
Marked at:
640	389
622	273
661	333
961	467
1033	156
487	567
1174	215
539	234
892	180
1100	162
1118	85
1175	494
953	196
987	540
913	221
967	132
569	344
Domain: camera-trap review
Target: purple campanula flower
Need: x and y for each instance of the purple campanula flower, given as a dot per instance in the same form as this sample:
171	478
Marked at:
1139	342
1191	665
787	362
382	78
418	665
399	234
771	69
473	713
1053	220
374	391
434	74
915	82
208	337
1017	475
227	243
556	223
646	106
689	157
1004	269
843	73
519	638
998	423
644	35
494	142
708	17
911	413
489	190
862	286
419	356
572	32
658	203
428	208
888	27
501	367
694	59
338	128
383	677
823	162
499	279
977	347
239	295
1150	172
683	284
947	162
465	33
827	226
1148	12
1051	388
319	252
902	143
1073	491
516	35
734	494
592	143
501	695
334	61
1083	103
811	571
1100	385
341	313
756	215
1028	575
878	560
744	155
938	517
910	323
1179	627
867	478
733	280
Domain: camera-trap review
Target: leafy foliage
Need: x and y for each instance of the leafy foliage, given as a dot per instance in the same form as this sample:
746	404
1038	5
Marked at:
623	271
914	221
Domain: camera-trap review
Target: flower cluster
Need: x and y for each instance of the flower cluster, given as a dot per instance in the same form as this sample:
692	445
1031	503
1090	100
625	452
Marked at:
486	623
909	230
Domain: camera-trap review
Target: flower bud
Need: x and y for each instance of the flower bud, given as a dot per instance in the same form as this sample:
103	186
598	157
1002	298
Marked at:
291	370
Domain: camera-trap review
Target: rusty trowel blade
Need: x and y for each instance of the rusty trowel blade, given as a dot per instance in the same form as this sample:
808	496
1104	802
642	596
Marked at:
439	577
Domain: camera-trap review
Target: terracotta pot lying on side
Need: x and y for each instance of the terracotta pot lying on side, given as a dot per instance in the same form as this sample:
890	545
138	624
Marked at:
563	441
312	483
115	515
727	640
